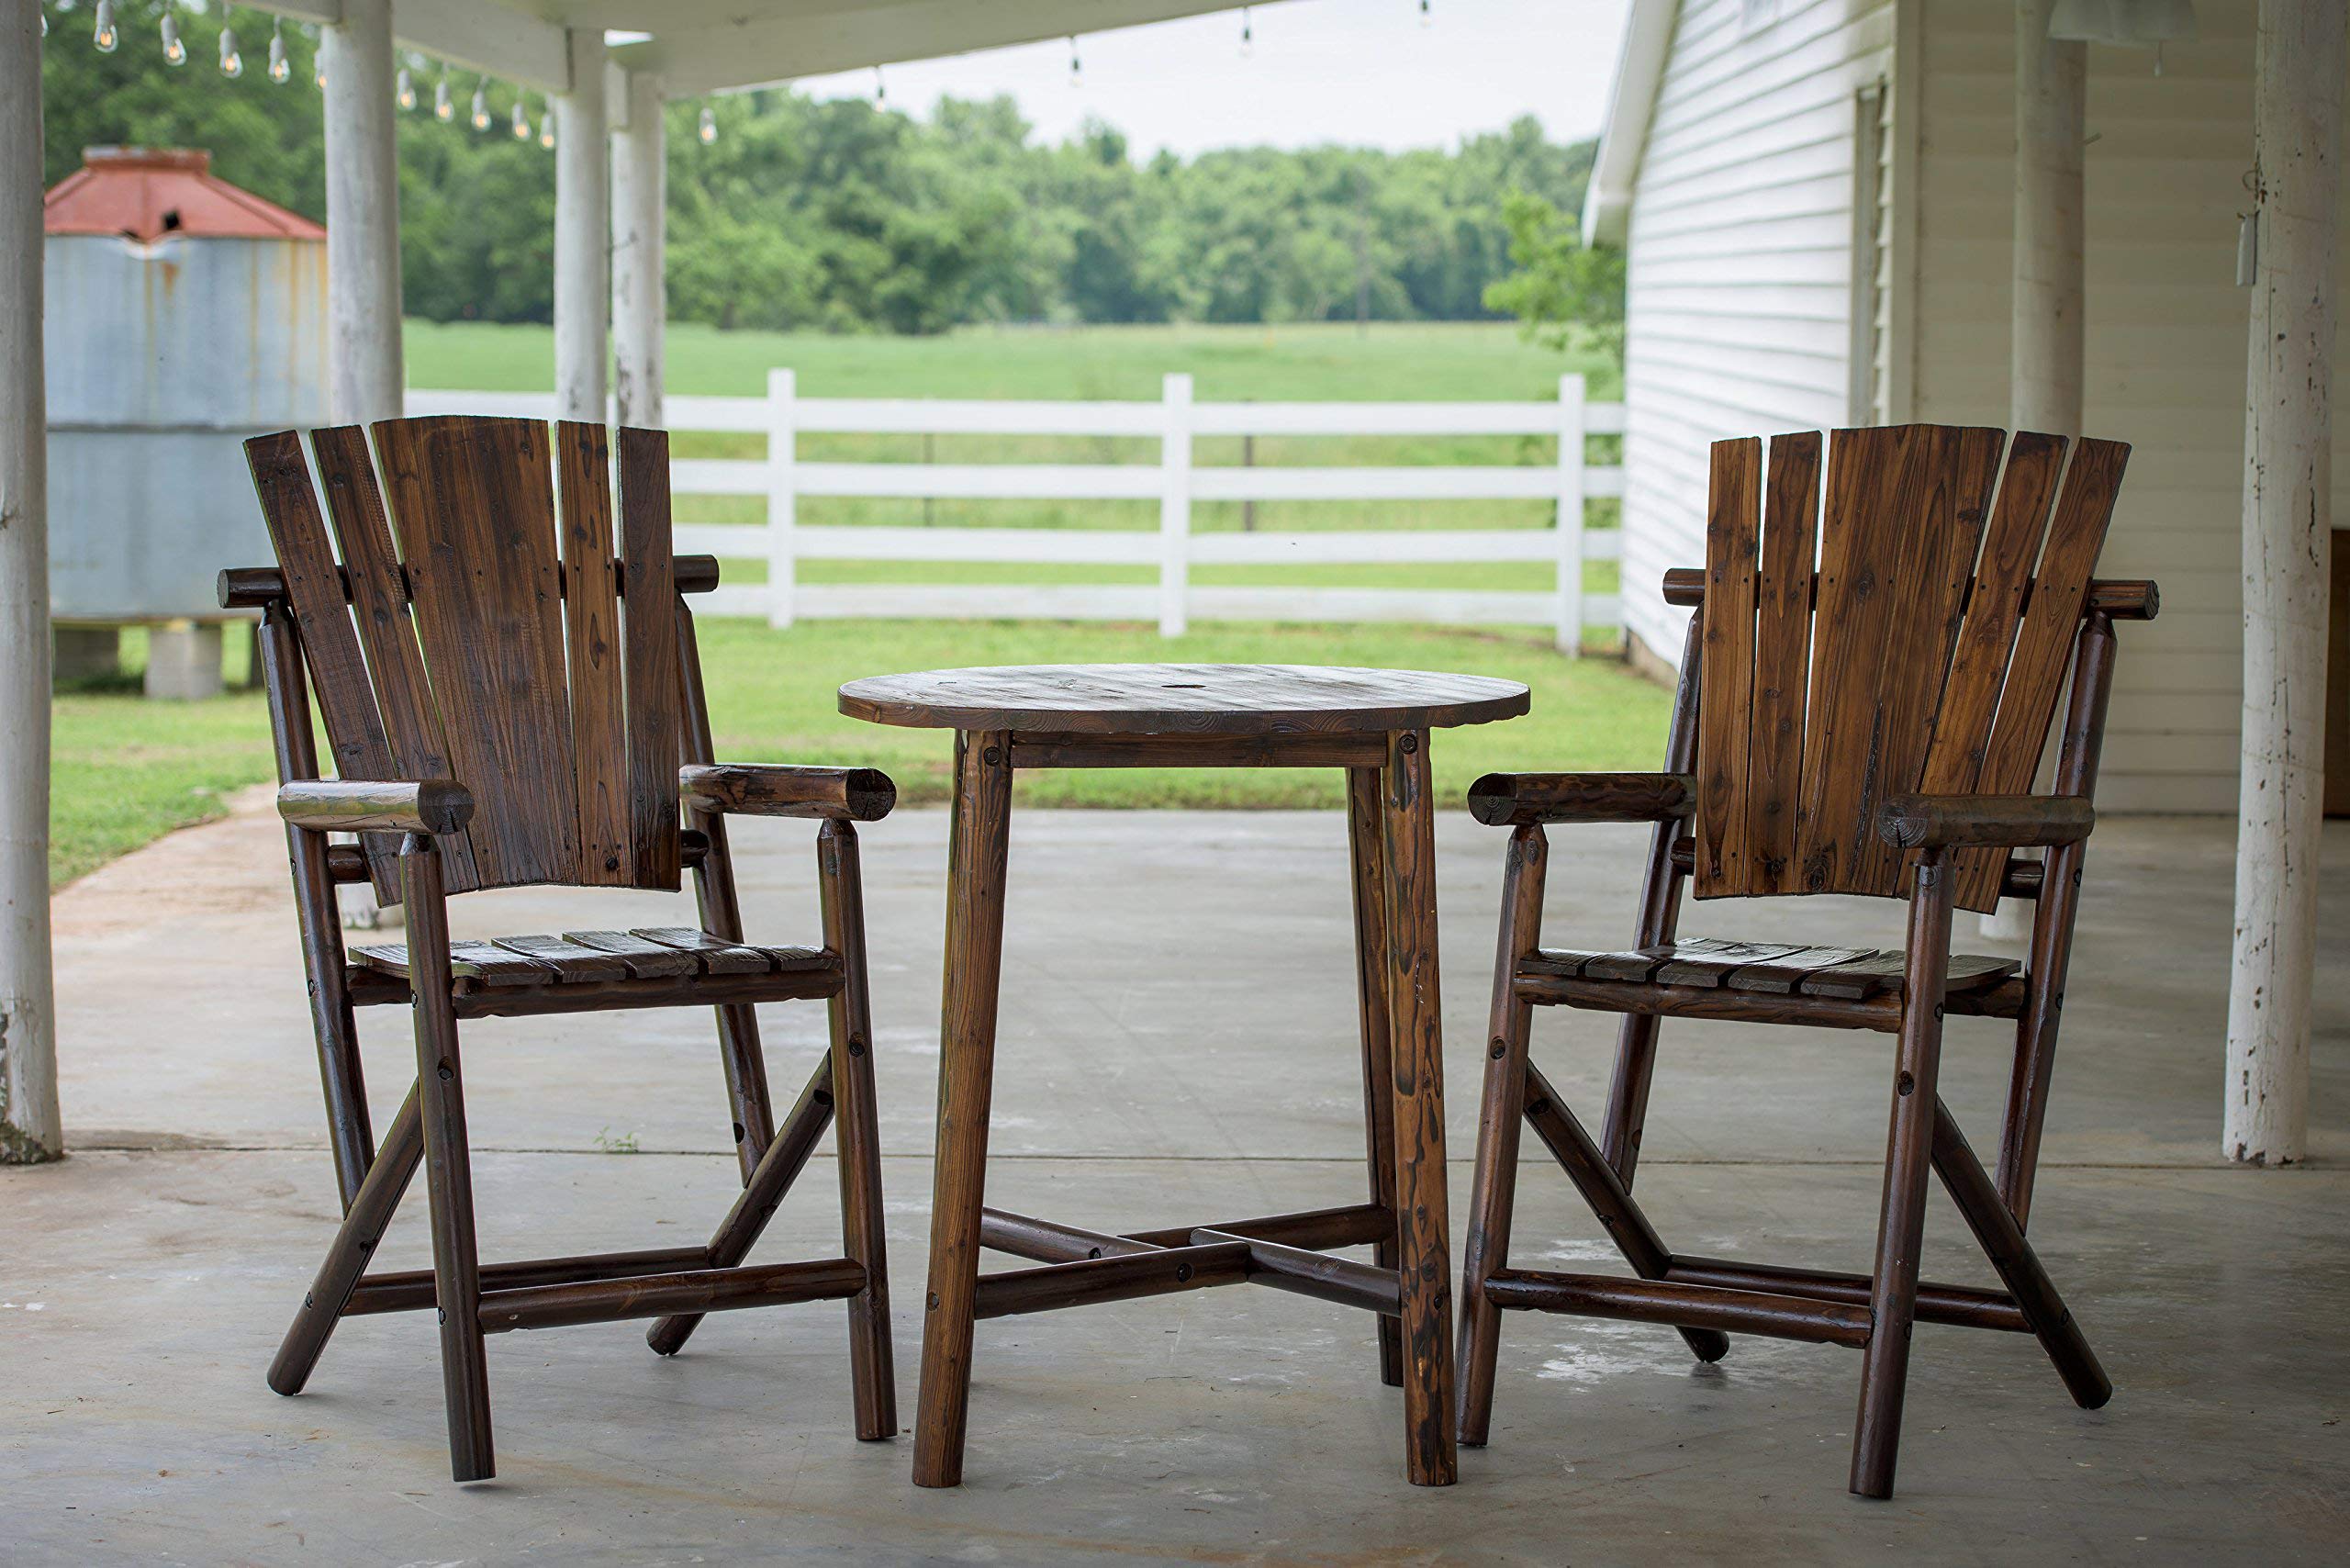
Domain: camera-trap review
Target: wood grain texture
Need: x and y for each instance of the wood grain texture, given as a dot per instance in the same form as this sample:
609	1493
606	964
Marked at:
472	501
378	589
1172	699
1773	783
650	656
591	625
1733	527
1367	853
314	587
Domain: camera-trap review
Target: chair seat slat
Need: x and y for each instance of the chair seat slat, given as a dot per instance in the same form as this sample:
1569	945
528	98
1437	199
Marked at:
645	960
1782	969
572	962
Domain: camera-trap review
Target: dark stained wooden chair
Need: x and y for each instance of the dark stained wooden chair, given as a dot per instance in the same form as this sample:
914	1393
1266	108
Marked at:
512	695
1868	685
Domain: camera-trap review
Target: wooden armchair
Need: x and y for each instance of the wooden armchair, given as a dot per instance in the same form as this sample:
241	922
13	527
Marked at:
1864	701
513	696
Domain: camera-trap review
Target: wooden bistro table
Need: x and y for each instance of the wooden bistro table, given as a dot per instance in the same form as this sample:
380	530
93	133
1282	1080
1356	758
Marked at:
1375	725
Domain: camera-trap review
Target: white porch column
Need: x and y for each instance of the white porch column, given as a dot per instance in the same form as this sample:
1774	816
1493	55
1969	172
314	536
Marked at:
2288	493
2045	314
362	215
640	206
29	1130
583	234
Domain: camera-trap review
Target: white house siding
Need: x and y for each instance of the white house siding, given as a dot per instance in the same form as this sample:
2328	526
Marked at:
2166	326
1740	259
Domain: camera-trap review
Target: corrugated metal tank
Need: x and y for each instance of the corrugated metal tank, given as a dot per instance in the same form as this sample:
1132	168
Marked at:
182	315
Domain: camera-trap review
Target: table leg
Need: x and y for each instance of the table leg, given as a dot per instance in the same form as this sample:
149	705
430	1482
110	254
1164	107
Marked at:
1414	1009
1364	836
977	839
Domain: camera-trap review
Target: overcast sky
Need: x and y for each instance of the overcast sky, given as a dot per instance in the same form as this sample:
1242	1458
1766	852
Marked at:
1357	72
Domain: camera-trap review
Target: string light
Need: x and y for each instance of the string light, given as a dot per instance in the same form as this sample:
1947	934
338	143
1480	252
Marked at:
442	109
546	124
278	68
318	57
106	38
881	90
1428	18
233	64
1076	69
480	115
709	131
174	51
522	119
406	89
1248	34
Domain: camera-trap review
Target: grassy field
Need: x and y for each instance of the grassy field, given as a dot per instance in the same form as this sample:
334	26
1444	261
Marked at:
127	770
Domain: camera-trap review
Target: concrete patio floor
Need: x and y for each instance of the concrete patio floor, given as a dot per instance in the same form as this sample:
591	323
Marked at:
1177	1044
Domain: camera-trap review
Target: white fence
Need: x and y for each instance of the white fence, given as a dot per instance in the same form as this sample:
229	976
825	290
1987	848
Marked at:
1175	482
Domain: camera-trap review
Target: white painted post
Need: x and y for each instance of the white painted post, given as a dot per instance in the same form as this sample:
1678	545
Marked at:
783	496
2046	319
1175	507
640	205
362	214
2288	496
29	1128
1570	509
583	234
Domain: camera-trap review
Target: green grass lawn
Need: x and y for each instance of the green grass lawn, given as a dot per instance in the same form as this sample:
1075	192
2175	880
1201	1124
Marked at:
127	770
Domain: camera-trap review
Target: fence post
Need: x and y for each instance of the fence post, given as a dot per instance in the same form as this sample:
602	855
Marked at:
783	498
1571	495
1175	507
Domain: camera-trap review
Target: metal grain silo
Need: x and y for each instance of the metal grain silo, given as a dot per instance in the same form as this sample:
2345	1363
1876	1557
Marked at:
182	315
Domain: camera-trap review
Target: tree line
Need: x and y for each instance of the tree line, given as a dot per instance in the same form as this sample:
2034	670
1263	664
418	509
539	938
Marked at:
850	216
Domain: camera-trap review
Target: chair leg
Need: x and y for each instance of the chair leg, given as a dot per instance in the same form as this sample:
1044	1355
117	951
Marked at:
448	1168
1909	1162
1493	1192
979	840
858	1140
364	1224
1363	836
1416	1013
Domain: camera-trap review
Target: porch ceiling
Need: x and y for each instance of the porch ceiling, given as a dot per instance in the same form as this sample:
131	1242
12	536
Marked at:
713	46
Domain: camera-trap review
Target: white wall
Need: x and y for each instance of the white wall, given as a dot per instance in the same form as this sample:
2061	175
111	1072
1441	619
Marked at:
2166	328
1739	260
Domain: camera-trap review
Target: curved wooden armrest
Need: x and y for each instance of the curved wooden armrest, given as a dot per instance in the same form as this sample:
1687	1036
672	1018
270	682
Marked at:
1985	821
781	789
357	805
1513	800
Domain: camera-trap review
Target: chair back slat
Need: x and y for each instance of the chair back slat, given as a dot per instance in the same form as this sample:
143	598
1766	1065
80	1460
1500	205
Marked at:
474	505
314	588
2043	649
387	632
1911	655
591	631
653	678
1728	642
1782	661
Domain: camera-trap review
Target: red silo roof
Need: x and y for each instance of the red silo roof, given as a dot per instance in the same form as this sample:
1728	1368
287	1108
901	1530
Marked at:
146	193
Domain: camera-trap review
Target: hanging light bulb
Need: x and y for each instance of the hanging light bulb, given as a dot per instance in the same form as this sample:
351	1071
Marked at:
521	120
709	129
1248	34
106	38
481	105
278	68
318	57
1076	69
1427	19
406	91
442	109
546	124
174	51
881	90
233	64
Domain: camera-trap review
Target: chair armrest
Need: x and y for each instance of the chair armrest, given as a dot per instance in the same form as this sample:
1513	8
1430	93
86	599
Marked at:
780	789
1991	822
1511	800
354	805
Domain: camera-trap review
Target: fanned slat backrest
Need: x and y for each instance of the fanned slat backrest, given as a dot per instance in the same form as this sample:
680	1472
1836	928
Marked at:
1904	625
496	633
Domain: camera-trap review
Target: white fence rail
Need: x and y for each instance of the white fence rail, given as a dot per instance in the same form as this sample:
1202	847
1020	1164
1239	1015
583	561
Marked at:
1175	482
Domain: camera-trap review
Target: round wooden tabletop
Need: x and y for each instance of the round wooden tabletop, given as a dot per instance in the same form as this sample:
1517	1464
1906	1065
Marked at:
1189	699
